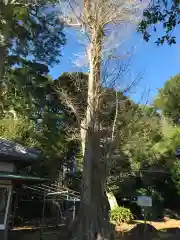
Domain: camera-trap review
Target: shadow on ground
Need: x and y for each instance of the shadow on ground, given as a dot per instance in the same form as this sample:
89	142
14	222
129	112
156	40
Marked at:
36	234
149	232
139	232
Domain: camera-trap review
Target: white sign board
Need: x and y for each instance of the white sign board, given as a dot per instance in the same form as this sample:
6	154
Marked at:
144	201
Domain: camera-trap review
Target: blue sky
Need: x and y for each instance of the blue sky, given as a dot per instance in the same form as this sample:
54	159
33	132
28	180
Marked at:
155	64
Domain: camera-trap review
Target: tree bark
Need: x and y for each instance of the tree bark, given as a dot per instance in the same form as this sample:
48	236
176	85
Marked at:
94	216
94	212
2	70
3	47
2	60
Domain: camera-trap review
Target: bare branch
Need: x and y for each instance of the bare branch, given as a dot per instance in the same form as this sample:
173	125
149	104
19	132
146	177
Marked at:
115	117
68	102
108	15
72	133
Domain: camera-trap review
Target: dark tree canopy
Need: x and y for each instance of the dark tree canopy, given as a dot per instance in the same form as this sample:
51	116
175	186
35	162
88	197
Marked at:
32	30
165	12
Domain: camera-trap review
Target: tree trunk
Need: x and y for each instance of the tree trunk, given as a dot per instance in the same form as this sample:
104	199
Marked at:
2	70
94	216
2	60
3	48
94	212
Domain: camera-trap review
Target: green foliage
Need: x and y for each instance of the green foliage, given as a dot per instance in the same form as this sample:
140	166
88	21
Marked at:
148	144
25	90
39	120
120	215
34	32
145	139
141	134
170	139
168	99
161	12
32	29
175	171
20	130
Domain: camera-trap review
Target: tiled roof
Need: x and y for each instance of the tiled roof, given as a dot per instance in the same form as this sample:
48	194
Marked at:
13	149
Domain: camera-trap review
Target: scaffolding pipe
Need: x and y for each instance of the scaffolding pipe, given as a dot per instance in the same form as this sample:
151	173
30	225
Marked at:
43	212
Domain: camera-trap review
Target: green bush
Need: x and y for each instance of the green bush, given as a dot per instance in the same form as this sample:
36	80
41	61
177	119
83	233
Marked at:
120	215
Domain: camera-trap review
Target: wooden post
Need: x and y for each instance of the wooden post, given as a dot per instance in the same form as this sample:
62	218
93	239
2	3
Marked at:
43	211
74	209
4	226
145	222
8	212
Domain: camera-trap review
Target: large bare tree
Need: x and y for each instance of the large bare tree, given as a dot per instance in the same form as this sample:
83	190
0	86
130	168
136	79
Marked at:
98	20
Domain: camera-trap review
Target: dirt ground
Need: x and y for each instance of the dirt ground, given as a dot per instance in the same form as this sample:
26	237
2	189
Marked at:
171	223
165	230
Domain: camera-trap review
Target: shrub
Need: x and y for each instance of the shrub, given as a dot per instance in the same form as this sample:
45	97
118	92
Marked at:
120	215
